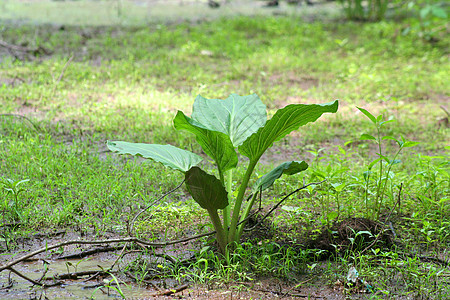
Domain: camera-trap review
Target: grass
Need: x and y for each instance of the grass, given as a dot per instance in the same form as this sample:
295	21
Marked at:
126	83
141	13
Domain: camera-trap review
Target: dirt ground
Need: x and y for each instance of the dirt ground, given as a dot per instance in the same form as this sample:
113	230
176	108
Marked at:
73	259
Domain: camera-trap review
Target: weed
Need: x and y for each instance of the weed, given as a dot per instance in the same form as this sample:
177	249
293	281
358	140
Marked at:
112	284
384	175
13	188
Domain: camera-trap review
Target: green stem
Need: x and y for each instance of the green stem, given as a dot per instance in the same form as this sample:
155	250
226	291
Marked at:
239	199
366	195
226	210
220	233
338	206
245	215
386	179
381	173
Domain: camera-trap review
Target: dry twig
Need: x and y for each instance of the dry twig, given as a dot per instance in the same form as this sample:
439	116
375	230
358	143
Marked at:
86	253
76	275
15	49
66	65
119	240
279	203
172	291
32	280
130	228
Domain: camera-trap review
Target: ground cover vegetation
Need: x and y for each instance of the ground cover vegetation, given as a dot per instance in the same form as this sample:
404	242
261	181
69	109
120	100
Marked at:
376	227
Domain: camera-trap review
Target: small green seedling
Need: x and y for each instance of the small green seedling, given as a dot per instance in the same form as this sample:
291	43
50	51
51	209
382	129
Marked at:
382	159
221	127
13	187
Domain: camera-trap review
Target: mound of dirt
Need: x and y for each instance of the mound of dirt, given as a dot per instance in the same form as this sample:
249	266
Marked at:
351	234
260	229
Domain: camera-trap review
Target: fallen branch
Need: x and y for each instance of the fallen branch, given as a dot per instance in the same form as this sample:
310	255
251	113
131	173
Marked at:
130	228
169	292
287	294
120	240
445	110
48	234
279	203
10	283
32	280
66	65
86	253
76	275
118	257
45	270
16	48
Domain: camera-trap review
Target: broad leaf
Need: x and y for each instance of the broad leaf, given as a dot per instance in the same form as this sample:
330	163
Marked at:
373	163
439	12
206	189
282	123
215	144
168	155
396	161
332	215
389	137
410	144
368	114
388	121
383	157
288	168
237	116
425	11
366	136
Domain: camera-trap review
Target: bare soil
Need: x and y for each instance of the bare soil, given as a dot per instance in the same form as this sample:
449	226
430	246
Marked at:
153	286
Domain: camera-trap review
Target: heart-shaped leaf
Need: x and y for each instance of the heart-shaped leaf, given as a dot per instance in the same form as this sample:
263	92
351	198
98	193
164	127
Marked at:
288	168
206	189
215	144
282	123
237	116
168	155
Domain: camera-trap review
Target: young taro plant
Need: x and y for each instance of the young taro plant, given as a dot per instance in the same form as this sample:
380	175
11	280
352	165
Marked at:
221	127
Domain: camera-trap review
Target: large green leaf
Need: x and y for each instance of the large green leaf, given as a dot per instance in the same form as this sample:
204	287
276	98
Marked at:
168	155
215	144
288	168
237	116
282	123
206	189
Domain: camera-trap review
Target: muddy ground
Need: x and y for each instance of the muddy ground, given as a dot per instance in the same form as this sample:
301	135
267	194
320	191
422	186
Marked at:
78	269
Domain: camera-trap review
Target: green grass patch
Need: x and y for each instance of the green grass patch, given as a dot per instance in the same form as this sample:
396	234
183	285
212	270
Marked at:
126	83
